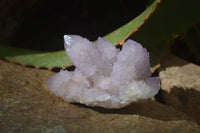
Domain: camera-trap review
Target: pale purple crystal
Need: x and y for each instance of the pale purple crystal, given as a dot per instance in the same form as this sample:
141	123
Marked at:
105	76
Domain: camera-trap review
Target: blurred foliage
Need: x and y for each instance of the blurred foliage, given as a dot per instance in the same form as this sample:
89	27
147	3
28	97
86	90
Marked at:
192	39
187	44
172	17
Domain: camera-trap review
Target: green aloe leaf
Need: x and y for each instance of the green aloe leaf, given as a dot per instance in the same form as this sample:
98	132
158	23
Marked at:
35	58
120	35
60	59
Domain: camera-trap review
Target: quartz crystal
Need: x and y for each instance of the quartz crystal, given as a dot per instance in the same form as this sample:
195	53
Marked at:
104	75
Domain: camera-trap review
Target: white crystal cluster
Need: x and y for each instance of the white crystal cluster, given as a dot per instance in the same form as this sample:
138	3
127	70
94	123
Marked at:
104	75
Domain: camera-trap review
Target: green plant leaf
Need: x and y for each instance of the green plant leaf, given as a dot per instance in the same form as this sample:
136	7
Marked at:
12	51
34	58
170	18
60	59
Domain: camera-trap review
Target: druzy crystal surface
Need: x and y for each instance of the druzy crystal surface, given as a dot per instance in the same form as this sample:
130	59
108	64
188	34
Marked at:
104	75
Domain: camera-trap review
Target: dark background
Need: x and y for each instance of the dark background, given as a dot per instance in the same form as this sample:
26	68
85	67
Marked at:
40	25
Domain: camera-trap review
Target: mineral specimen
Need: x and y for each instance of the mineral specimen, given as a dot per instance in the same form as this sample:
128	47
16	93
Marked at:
104	75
